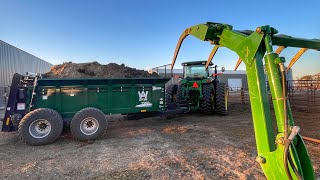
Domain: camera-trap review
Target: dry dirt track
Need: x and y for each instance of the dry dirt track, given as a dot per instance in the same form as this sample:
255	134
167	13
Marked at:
186	147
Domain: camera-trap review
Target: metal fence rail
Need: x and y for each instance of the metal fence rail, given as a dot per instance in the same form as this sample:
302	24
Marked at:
303	95
238	95
166	71
163	71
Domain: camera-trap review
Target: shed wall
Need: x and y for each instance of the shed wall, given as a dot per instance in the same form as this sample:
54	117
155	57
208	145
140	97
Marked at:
14	60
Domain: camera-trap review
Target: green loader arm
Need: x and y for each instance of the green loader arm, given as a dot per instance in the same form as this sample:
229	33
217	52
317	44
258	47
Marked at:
282	155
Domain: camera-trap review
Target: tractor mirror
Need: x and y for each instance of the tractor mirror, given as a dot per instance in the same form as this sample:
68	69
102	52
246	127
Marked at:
223	69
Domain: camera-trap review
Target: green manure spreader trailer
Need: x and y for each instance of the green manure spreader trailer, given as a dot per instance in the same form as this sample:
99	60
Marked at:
39	108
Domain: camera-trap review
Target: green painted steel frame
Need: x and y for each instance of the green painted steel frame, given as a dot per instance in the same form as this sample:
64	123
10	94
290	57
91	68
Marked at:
251	48
111	96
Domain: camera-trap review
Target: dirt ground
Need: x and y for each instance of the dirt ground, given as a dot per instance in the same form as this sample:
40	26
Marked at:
192	146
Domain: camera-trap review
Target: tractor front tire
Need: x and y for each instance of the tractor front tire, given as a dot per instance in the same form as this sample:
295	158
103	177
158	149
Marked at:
221	101
40	126
88	124
208	98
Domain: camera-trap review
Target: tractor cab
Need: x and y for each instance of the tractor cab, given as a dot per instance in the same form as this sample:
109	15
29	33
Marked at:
196	70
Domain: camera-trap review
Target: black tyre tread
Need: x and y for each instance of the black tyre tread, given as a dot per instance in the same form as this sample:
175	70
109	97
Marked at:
179	94
206	102
220	105
44	113
170	91
83	113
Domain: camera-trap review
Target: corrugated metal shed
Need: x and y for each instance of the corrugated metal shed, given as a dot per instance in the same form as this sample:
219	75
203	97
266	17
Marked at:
14	60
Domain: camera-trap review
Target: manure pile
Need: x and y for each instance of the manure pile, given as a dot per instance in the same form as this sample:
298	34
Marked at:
95	69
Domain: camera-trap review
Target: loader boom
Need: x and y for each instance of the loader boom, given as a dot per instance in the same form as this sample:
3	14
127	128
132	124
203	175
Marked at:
282	155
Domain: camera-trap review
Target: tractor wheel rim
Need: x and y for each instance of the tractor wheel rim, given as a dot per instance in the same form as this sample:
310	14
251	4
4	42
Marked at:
89	126
40	128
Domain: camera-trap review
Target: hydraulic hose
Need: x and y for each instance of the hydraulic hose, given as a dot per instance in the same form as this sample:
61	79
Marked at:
286	142
285	159
284	94
295	130
294	167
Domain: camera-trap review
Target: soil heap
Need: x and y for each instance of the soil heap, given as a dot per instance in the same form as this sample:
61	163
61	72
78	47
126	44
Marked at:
95	69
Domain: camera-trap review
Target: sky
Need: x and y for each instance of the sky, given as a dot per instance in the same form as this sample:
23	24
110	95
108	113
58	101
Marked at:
143	33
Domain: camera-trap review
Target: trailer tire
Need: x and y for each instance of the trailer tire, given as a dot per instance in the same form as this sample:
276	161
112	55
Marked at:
221	101
40	126
88	124
208	98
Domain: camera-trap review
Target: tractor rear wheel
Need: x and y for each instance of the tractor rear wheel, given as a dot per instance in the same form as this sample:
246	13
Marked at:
208	98
179	95
174	96
171	94
221	101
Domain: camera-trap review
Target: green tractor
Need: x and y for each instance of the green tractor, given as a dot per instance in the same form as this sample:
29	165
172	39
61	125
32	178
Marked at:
199	88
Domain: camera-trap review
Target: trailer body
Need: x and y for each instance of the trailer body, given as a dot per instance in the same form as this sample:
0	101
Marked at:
69	96
111	96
